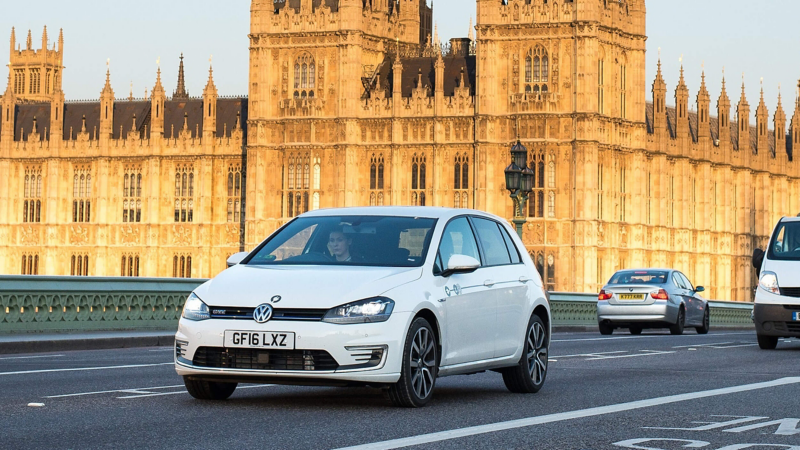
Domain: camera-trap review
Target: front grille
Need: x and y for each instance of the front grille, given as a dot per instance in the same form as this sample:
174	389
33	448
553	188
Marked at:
263	359
310	315
792	307
791	292
794	327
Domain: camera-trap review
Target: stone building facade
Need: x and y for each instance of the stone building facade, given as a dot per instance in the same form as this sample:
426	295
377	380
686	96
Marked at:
356	102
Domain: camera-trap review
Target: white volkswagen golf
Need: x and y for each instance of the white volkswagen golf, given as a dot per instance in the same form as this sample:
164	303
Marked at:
390	297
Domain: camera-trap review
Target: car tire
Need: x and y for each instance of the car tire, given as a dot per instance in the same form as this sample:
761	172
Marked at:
636	330
706	323
605	329
677	329
418	369
529	375
209	390
767	342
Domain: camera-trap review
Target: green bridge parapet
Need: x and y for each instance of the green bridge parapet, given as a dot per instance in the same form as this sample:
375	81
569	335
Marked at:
31	304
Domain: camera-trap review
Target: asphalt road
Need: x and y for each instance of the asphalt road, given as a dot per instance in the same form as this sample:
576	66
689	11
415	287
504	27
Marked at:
717	391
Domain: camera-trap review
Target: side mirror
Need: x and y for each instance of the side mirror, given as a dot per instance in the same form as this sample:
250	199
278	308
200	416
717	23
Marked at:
699	289
461	264
236	258
758	259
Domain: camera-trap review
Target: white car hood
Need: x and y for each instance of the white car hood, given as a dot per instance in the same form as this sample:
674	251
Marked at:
313	287
788	272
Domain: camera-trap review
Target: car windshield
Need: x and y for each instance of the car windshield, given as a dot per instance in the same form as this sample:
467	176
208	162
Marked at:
348	240
785	243
639	277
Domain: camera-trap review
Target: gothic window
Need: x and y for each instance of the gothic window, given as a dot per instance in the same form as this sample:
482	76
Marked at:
19	81
623	98
418	176
600	87
32	203
376	172
47	85
235	197
35	85
536	201
130	266
132	195
79	265
461	181
537	70
30	265
304	76
623	190
297	189
184	193
81	195
600	191
182	266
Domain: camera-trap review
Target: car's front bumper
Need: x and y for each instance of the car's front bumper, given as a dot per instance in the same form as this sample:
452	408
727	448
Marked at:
345	344
658	313
776	320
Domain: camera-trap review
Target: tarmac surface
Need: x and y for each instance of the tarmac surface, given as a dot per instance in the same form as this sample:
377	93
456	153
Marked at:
654	391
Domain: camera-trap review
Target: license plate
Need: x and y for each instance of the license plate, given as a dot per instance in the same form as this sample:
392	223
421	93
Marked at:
796	316
631	296
279	340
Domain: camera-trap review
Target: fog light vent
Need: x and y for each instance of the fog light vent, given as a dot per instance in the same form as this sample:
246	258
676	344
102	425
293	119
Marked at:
180	348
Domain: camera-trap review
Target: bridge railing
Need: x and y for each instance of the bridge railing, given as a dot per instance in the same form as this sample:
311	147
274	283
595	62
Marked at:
52	304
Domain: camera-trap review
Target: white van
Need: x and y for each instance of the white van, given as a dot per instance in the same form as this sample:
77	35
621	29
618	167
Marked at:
777	305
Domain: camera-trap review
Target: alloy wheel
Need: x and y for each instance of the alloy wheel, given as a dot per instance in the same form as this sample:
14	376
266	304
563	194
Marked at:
537	353
422	359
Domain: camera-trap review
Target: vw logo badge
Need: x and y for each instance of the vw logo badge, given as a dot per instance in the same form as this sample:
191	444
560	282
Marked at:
275	298
262	313
630	289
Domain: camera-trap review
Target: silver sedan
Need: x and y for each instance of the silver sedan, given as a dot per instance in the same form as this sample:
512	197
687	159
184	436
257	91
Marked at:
651	298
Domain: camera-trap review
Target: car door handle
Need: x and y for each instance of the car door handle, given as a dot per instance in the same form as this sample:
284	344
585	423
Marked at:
524	279
488	283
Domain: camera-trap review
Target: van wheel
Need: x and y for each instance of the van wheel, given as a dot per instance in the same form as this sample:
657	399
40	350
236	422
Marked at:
528	376
767	342
678	327
418	369
209	390
605	329
706	323
636	330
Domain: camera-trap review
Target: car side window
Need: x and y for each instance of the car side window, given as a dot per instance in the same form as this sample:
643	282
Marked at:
686	281
494	247
457	239
677	280
512	249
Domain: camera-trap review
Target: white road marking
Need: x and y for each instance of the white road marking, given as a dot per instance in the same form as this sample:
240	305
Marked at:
559	417
168	349
184	392
589	354
649	353
703	345
31	357
643	337
78	369
115	390
36	405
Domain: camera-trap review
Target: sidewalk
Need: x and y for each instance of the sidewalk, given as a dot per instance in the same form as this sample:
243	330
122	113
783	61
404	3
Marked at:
97	340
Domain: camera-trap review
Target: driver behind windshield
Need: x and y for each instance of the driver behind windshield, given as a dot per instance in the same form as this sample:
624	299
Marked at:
339	245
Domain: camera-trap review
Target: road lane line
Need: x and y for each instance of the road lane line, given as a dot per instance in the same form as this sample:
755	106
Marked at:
737	346
111	391
651	353
589	354
77	369
559	417
31	357
185	392
703	345
649	336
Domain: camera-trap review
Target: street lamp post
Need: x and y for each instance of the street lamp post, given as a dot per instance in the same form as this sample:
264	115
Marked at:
519	182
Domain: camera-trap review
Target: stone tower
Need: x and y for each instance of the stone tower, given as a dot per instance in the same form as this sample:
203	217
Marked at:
36	74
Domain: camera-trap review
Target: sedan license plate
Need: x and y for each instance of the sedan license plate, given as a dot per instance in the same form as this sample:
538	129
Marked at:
260	339
796	316
631	296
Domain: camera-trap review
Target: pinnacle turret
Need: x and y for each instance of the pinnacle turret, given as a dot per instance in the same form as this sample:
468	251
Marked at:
29	42
180	91
44	37
13	40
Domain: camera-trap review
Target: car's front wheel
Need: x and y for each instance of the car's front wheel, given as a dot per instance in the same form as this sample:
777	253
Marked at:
528	376
767	342
706	323
418	369
209	390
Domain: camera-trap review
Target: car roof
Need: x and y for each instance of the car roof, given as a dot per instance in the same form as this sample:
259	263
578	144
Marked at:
654	269
790	219
400	211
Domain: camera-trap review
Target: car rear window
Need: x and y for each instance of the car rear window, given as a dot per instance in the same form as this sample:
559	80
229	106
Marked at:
639	277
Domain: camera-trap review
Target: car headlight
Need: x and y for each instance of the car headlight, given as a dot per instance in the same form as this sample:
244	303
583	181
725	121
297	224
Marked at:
769	282
377	309
195	309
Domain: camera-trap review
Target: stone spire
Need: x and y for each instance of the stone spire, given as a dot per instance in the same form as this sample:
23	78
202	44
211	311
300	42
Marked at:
471	34
13	41
44	38
659	100
157	100
436	40
29	42
107	106
180	92
743	112
61	40
779	121
762	124
724	114
682	106
210	105
703	102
